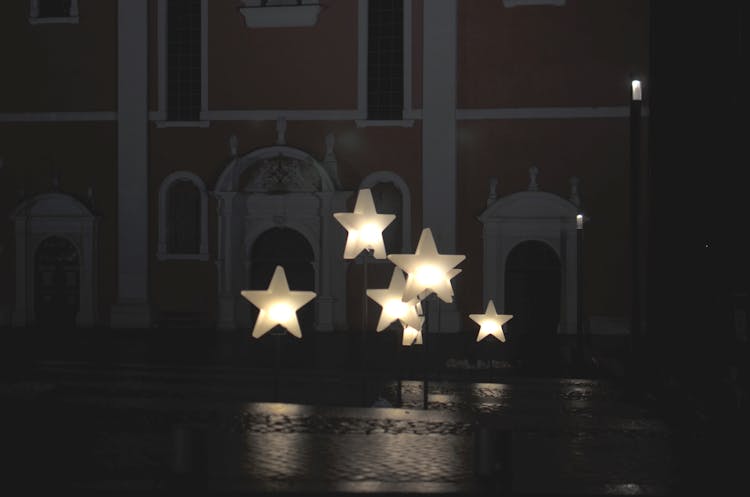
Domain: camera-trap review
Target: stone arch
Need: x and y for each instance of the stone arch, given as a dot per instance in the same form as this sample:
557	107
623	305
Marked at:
162	250
373	179
532	215
57	278
533	289
61	215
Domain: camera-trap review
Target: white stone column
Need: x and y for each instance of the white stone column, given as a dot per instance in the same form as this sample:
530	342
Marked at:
85	316
226	310
439	134
20	310
490	233
132	307
325	300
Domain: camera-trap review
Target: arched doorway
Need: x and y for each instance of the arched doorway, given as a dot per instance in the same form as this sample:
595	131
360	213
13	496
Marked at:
287	248
57	283
532	284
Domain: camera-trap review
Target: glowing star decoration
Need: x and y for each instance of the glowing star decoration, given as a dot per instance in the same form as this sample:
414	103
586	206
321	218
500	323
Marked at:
428	271
412	335
393	307
277	305
365	227
491	323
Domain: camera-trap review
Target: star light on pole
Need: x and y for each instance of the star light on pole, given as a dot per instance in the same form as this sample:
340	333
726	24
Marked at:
393	307
490	323
365	227
428	270
412	334
278	305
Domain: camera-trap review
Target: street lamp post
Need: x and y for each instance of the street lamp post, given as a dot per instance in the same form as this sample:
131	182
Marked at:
579	290
635	200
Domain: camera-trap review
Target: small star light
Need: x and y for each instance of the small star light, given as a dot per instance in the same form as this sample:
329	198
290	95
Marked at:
278	305
427	269
393	307
365	227
491	323
412	335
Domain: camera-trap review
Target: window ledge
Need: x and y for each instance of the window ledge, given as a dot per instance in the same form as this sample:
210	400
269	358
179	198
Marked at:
54	20
280	16
401	123
522	3
183	124
181	257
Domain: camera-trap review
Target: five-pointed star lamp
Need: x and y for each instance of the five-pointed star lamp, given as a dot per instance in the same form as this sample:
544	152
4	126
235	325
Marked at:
412	334
365	227
393	307
428	271
278	305
491	323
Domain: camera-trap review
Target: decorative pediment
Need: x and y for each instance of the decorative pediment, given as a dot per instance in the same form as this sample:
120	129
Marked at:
530	204
275	169
282	174
52	205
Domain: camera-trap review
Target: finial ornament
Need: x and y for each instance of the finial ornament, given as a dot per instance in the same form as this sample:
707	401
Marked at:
281	131
574	196
533	172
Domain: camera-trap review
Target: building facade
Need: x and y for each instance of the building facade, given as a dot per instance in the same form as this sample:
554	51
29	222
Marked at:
158	156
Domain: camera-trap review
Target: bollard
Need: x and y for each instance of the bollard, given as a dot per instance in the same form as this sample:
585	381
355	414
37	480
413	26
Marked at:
492	458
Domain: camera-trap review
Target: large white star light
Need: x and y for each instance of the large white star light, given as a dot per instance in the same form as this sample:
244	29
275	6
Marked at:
393	307
428	271
277	305
365	227
491	323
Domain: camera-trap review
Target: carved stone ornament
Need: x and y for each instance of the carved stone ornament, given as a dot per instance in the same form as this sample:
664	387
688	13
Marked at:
283	174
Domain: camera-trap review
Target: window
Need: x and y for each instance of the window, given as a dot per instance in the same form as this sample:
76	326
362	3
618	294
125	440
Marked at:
183	232
183	218
53	11
385	59
183	60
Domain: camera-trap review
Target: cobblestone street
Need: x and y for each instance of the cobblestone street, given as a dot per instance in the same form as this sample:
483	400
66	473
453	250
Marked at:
144	430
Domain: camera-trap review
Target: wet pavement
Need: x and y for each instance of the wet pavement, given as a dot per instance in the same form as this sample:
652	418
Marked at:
146	430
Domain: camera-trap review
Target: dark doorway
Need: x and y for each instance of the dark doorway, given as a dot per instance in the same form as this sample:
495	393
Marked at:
532	295
287	248
57	283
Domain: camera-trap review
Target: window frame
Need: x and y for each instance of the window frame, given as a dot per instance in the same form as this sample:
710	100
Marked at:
163	253
71	18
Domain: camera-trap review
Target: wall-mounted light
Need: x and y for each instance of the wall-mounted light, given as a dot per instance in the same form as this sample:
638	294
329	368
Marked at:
579	221
277	305
636	93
